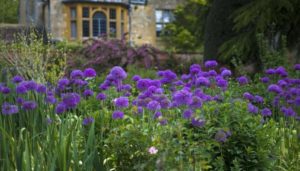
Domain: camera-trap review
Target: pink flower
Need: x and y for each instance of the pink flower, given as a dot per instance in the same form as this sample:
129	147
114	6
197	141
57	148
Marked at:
152	150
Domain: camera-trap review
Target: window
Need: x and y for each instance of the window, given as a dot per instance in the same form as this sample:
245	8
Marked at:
141	2
85	12
99	24
163	17
85	22
112	14
73	22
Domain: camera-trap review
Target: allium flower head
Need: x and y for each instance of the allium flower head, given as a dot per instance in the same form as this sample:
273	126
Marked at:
152	150
5	90
281	71
274	88
60	108
198	122
136	78
226	73
89	73
101	96
196	102
153	105
8	109
168	76
265	79
182	97
222	83
143	84
17	79
288	112
157	114
266	112
248	96
252	109
31	85
88	121
297	67
270	71
242	80
187	114
63	82
118	114
222	136
195	69
88	93
121	102
258	99
202	81
118	73
29	105
71	100
50	99
211	64
41	89
76	74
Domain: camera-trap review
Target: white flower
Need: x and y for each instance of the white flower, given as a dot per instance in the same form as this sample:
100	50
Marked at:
152	150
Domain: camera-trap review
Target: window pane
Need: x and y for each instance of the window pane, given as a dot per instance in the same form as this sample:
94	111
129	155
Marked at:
122	14
112	14
73	13
113	29
159	28
85	28
99	24
85	12
73	29
158	15
166	18
122	29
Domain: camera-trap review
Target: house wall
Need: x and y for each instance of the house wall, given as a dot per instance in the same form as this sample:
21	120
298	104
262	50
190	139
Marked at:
58	23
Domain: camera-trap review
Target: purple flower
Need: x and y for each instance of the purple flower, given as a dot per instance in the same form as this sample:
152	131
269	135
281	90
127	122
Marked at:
31	85
8	109
49	121
101	96
282	83
182	97
266	112
153	105
258	99
118	73
222	83
297	67
41	89
221	136
252	109
226	73
211	64
168	76
270	71
265	79
202	81
89	73
5	90
196	102
87	121
274	88
20	100
121	102
88	93
63	82
297	101
17	79
143	84
136	78
281	71
248	96
242	80
157	114
212	73
76	74
163	122
198	122
50	99
71	100
29	105
288	112
60	108
118	114
126	87
194	70
187	114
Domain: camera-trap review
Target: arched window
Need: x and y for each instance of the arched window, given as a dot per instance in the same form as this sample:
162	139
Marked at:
99	24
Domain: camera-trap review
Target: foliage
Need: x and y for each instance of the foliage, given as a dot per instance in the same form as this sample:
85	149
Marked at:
186	33
9	11
31	57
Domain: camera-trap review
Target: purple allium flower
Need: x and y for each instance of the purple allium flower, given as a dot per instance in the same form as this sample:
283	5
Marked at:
163	122
198	122
226	73
221	136
126	87
265	79
118	114
17	79
41	89
29	105
103	86
5	90
143	84
140	110
31	85
50	99
274	88
88	121
266	112
101	96
182	97
153	105
252	109
211	64
187	114
60	108
222	83
258	99
270	71
157	114
71	100
168	77
89	73
8	109
194	70
20	100
79	82
136	78
63	82
202	81
76	74
212	73
297	101
281	71
248	96
196	102
297	67
88	93
185	77
121	102
242	80
282	83
118	73
288	112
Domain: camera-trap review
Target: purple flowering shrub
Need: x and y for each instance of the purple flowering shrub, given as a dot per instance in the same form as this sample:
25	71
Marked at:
205	114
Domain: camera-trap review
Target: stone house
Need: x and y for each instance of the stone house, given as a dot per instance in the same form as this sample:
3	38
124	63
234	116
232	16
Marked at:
76	20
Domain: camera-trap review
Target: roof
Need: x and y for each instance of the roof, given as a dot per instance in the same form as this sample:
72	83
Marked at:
116	2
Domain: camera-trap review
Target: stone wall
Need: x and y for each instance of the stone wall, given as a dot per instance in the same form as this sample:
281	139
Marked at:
57	19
